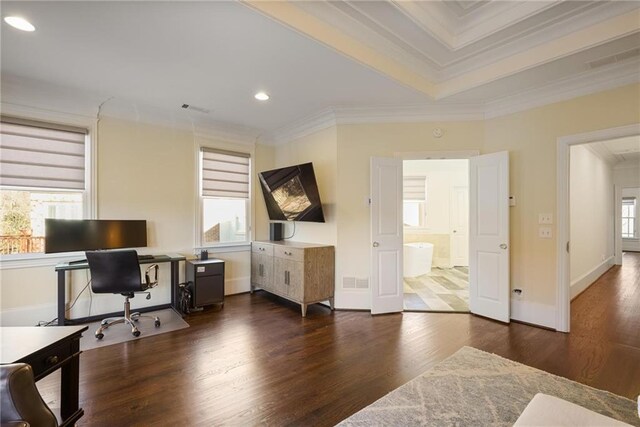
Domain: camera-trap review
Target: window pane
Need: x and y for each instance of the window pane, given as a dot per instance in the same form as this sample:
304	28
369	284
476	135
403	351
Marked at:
411	214
23	214
224	220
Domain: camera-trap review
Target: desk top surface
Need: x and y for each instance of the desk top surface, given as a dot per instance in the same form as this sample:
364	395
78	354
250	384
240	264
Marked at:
19	342
156	258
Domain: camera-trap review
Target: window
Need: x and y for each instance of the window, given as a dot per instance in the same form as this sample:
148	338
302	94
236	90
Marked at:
629	218
224	191
43	170
414	201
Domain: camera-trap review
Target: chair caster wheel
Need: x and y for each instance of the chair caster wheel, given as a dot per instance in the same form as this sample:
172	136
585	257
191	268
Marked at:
136	333
104	322
99	336
135	319
157	323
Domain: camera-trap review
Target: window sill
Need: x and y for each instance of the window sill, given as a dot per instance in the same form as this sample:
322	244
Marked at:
225	248
630	239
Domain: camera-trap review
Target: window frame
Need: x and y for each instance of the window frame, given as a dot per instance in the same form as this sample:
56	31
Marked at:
199	220
89	194
634	202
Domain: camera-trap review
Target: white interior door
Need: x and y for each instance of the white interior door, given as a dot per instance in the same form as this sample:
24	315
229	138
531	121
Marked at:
489	288
386	235
460	226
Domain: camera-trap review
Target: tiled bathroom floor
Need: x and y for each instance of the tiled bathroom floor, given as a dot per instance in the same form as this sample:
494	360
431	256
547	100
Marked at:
443	289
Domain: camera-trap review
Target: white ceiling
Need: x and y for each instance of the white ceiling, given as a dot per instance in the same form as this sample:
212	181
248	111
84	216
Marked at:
145	59
619	150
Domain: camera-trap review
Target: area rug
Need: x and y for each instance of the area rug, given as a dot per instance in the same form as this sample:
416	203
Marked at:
474	388
169	321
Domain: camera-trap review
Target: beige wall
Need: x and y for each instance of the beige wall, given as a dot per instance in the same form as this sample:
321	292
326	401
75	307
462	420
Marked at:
591	217
356	145
144	172
531	138
320	149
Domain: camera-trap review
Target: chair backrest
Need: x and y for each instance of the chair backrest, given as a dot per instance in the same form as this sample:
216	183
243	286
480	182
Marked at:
114	271
20	400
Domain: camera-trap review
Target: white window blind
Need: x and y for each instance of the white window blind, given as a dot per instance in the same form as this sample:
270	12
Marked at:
414	188
39	155
225	174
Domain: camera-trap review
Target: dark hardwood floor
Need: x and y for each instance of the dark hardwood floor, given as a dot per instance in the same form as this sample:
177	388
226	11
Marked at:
258	362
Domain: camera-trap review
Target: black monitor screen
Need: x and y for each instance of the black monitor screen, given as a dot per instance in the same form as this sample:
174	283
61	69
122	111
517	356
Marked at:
70	235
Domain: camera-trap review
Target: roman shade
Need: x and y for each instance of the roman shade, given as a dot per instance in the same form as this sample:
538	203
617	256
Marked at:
39	155
414	188
225	174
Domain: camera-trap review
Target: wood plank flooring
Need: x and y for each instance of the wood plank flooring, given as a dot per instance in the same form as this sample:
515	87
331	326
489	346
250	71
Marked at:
258	362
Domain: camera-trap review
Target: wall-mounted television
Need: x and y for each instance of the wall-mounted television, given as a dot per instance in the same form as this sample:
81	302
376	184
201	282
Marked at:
291	194
71	235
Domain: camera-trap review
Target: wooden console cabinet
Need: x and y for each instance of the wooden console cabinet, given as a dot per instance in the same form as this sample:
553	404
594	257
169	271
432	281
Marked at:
300	272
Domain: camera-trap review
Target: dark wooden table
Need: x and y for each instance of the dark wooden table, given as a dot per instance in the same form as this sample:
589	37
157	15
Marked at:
47	349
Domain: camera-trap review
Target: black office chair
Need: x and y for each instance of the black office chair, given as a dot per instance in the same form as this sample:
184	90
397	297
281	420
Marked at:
118	272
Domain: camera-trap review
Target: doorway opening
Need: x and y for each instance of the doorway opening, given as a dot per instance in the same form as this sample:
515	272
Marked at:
436	235
615	153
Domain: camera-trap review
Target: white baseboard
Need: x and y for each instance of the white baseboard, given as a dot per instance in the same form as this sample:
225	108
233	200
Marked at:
583	282
353	300
28	315
237	285
533	313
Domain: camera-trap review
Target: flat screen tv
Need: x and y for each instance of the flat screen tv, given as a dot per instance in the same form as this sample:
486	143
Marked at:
70	235
291	194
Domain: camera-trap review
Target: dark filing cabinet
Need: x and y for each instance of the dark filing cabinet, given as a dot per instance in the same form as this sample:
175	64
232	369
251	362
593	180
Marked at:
207	277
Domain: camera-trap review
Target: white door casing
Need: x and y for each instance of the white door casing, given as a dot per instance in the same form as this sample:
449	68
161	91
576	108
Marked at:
386	235
489	288
459	226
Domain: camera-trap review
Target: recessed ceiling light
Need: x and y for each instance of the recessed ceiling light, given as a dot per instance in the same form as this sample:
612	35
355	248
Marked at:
261	96
19	23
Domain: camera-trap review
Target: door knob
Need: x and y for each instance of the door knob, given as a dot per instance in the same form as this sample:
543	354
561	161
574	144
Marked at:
455	231
503	246
376	244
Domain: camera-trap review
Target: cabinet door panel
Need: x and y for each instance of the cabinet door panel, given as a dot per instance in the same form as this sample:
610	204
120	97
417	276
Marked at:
295	289
279	276
256	278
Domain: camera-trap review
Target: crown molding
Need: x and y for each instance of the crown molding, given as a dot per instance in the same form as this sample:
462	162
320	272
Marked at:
445	112
303	127
586	83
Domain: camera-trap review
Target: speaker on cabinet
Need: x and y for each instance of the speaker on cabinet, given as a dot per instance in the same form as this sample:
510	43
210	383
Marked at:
276	231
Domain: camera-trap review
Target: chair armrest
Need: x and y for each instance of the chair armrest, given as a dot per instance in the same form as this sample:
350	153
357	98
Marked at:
151	283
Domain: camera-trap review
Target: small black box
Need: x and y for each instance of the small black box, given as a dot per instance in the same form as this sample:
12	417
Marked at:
275	231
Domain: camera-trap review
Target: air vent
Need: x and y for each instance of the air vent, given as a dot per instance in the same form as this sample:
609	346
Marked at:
348	282
618	57
194	108
355	283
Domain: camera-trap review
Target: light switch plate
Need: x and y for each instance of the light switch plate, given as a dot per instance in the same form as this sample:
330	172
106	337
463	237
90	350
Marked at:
545	232
545	218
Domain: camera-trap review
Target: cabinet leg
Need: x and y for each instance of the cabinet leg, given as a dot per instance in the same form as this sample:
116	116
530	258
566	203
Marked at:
304	309
332	303
252	288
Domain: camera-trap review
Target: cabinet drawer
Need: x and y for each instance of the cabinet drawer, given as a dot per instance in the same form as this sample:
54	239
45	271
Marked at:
262	248
296	254
209	269
52	357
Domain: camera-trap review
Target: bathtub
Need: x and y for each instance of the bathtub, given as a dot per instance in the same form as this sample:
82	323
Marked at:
417	258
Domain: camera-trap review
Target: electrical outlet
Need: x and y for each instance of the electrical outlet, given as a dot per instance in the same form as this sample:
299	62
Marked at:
544	232
517	293
545	218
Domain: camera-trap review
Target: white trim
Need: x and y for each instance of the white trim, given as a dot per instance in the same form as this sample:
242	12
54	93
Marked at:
442	112
303	127
436	155
582	84
563	299
237	285
583	282
28	315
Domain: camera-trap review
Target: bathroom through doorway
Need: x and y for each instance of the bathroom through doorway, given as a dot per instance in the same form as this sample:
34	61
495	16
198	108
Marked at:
436	235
